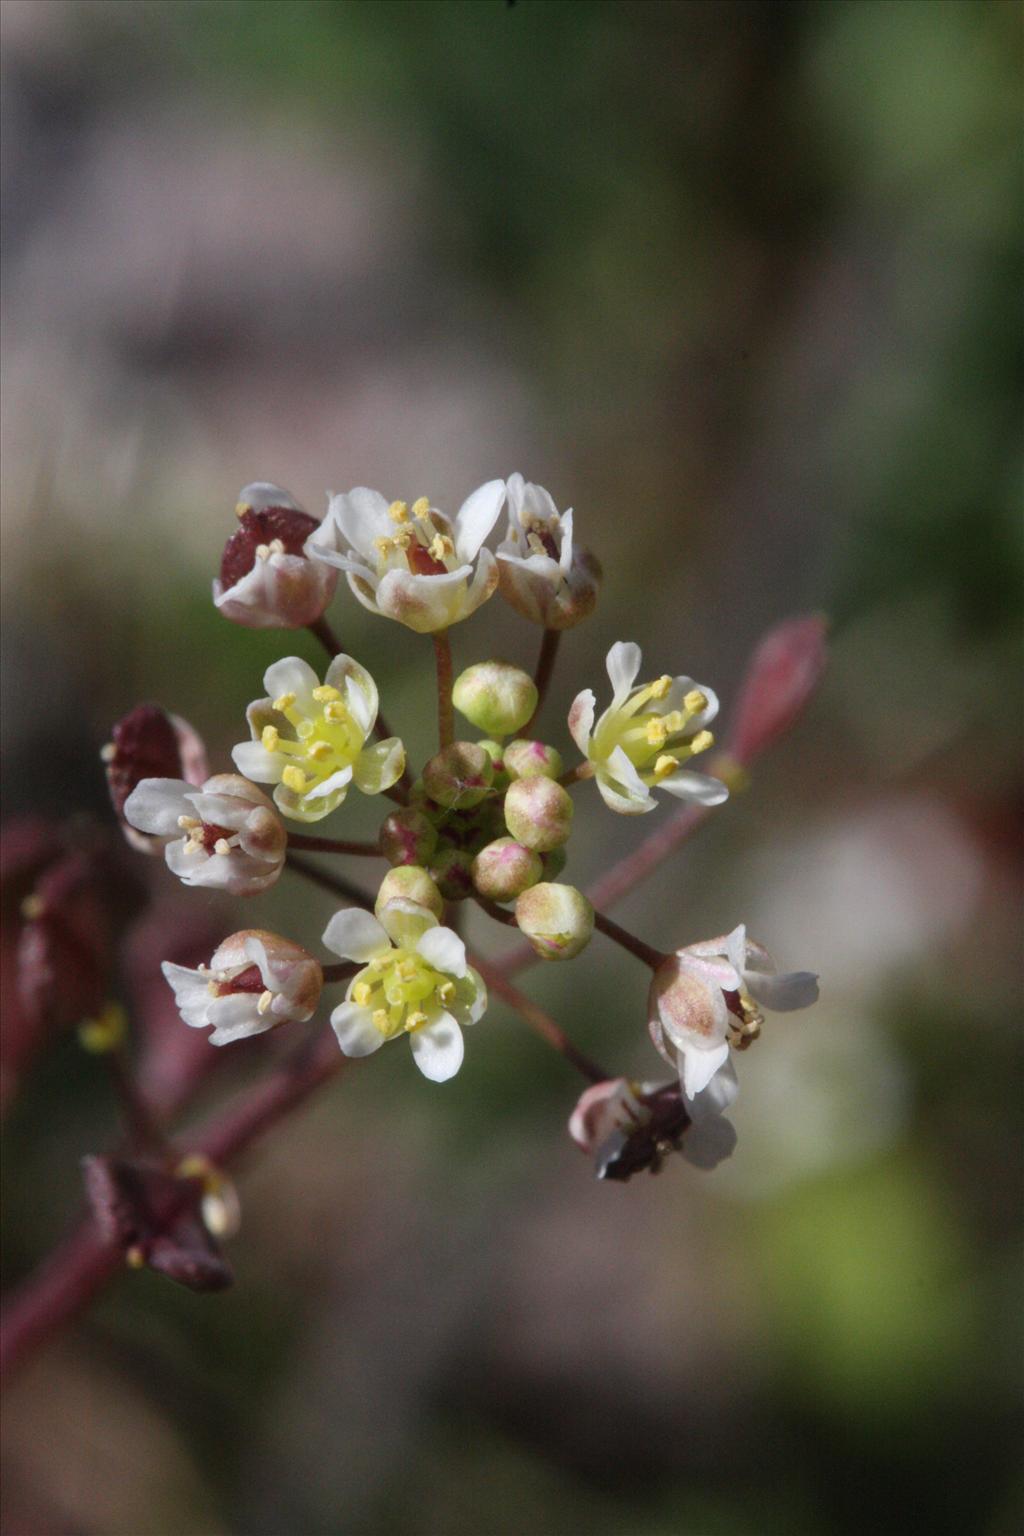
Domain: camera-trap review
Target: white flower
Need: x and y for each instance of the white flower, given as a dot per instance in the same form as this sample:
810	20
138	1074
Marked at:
645	735
704	999
414	981
412	563
266	580
543	574
225	835
309	739
255	980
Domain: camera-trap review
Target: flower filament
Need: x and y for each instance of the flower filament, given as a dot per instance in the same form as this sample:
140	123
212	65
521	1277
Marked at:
418	543
656	743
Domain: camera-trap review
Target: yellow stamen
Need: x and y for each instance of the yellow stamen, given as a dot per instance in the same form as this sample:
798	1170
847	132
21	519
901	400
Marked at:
105	1032
702	741
134	1257
266	998
695	701
270	738
222	846
275	547
383	544
421	507
399	512
241	508
318	751
32	908
414	1019
294	778
284	702
325	693
108	753
665	765
262	551
656	732
446	991
441	547
660	687
380	1019
336	712
361	993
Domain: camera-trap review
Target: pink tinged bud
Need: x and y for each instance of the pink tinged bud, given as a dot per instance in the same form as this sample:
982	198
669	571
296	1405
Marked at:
558	920
459	776
452	871
148	743
495	697
504	869
410	883
408	836
532	759
155	1218
266	580
538	813
781	678
255	981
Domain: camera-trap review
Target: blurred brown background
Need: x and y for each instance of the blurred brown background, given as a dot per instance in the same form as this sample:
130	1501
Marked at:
739	282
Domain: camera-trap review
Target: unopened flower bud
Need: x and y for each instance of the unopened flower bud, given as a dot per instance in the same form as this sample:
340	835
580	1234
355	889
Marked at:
266	580
452	870
538	813
530	759
558	920
495	696
408	836
148	743
781	677
459	776
410	883
504	869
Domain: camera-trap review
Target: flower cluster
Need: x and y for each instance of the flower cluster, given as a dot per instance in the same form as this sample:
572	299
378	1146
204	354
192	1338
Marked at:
487	819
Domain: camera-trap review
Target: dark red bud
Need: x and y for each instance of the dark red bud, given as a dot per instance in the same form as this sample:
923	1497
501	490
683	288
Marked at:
254	529
153	1216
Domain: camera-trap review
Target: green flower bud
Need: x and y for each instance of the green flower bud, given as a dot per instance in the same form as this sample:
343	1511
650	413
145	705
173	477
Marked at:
409	883
538	813
408	836
504	869
496	697
557	919
452	870
459	776
525	759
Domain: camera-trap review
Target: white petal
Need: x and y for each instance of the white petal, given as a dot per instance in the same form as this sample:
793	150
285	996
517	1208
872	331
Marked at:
359	688
291	675
514	489
444	950
261	494
154	805
709	1142
476	517
336	781
783	994
699	788
355	935
424	603
623	663
581	719
235	1017
378	767
735	947
565	558
362	516
699	1067
437	1048
718	1096
357	1034
406	921
253	759
621	802
191	993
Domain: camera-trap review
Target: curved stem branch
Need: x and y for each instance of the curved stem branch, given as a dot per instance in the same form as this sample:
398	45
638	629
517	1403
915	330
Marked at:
542	676
499	914
645	952
303	844
443	661
577	775
540	1022
337	884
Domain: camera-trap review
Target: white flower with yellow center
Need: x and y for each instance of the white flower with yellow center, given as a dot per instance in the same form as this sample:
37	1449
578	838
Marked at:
645	736
414	981
412	563
309	738
545	576
707	998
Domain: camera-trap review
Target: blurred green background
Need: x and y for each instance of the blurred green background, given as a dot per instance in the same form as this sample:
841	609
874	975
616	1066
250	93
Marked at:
740	282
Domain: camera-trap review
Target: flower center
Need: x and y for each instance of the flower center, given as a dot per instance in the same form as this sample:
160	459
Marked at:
421	542
326	739
274	531
656	742
395	987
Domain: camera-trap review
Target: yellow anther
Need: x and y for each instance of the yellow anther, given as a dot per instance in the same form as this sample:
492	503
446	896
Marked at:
665	765
134	1257
406	969
241	508
186	823
105	1032
695	701
414	1019
335	712
266	998
441	547
276	547
361	993
270	738
403	537
383	544
535	543
108	753
196	1165
380	1019
399	512
674	721
262	551
294	778
325	693
656	732
379	963
446	991
319	750
660	687
222	846
32	907
284	702
702	741
421	507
